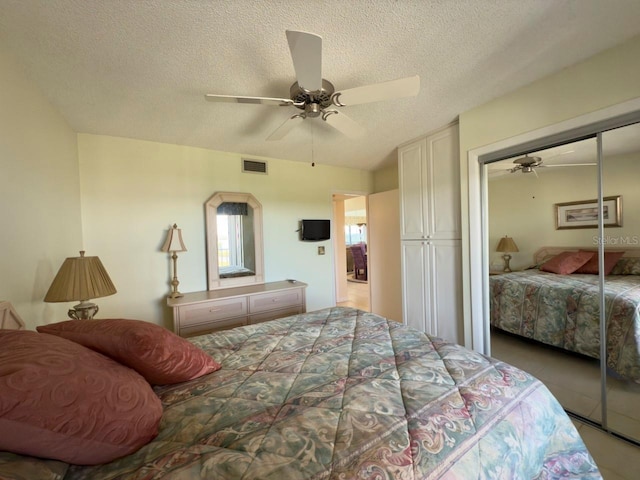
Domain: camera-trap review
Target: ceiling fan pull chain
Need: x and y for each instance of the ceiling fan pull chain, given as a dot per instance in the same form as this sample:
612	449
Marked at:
313	162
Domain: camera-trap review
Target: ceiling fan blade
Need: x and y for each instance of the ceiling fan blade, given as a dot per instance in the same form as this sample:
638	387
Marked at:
286	127
403	87
281	102
342	123
306	53
569	165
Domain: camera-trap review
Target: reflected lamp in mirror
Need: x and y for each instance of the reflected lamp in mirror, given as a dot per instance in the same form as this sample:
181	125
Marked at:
506	245
81	279
174	244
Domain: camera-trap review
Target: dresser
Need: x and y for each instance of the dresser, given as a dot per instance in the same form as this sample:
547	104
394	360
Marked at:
197	313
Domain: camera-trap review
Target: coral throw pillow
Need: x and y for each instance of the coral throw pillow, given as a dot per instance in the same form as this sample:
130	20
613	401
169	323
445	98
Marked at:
610	260
154	352
566	262
63	401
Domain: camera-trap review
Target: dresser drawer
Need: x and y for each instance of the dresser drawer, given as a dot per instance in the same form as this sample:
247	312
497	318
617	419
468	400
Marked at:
202	328
272	315
275	300
198	313
211	311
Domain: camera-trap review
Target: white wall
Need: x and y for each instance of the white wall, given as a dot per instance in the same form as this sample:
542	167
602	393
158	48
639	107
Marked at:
606	79
133	190
39	194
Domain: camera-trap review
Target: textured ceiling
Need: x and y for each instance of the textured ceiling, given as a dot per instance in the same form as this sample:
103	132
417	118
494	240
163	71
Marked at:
140	68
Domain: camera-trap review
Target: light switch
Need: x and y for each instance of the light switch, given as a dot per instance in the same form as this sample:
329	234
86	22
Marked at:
320	250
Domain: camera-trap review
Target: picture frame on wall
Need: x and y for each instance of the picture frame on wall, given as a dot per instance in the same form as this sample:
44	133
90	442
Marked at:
584	213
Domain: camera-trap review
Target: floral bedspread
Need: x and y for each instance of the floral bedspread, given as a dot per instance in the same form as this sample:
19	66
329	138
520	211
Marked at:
344	394
563	311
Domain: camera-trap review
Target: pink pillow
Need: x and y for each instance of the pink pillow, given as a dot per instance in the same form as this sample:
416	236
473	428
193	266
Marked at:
63	401
566	262
610	260
154	352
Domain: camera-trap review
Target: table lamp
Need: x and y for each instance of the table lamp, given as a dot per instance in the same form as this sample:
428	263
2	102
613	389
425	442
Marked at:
506	245
80	279
174	244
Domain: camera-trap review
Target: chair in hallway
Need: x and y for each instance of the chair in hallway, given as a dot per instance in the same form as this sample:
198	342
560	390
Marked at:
359	261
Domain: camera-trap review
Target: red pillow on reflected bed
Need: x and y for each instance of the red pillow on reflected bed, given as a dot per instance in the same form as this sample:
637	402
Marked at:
566	263
63	401
154	352
610	260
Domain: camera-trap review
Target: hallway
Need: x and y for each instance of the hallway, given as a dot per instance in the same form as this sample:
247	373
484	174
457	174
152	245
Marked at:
358	296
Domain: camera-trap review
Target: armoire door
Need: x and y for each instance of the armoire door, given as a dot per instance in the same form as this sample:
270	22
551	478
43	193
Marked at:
444	261
412	172
431	295
429	177
415	286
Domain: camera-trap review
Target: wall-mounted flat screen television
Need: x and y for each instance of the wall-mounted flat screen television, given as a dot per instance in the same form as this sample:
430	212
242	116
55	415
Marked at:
315	230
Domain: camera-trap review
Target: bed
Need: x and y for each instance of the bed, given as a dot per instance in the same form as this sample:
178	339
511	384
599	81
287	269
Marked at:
563	310
344	394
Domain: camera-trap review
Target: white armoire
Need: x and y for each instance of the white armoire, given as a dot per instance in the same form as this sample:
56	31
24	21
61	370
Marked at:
429	178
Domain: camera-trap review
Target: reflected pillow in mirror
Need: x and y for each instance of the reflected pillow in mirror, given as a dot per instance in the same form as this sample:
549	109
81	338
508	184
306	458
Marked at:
610	260
627	266
566	263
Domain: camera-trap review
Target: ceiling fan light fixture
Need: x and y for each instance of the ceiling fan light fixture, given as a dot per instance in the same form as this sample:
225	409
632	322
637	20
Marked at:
312	110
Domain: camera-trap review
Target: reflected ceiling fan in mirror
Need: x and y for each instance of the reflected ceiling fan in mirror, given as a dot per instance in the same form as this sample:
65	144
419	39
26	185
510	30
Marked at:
316	97
529	164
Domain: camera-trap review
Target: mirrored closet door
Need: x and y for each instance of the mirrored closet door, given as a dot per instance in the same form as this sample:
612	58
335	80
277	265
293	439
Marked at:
620	174
549	313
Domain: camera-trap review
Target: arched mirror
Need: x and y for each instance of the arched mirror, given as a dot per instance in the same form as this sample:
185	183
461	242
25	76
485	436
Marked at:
234	240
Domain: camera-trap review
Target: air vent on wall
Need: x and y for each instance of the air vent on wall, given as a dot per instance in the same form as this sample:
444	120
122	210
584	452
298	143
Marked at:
254	166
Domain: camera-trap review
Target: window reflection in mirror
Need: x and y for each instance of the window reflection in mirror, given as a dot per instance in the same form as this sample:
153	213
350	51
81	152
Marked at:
234	240
236	252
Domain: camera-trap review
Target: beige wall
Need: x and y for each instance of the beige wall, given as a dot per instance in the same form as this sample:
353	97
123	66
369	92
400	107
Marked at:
386	178
133	190
522	206
39	194
115	197
606	79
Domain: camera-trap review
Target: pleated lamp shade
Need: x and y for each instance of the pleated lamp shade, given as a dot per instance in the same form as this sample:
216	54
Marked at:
506	244
80	278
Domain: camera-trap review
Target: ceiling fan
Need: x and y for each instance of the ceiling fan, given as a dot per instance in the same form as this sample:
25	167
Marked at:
528	164
316	97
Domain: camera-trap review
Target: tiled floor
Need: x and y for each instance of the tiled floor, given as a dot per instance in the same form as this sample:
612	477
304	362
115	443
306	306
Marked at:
575	382
358	296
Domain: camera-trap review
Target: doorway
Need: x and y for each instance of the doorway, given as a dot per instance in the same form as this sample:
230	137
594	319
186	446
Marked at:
351	243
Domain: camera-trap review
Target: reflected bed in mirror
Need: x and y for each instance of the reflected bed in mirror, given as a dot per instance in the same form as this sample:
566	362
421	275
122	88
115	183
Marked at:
234	240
